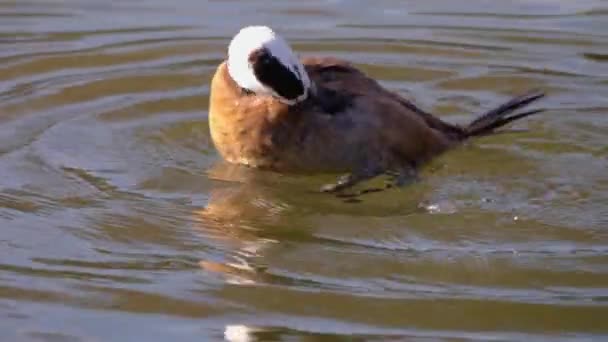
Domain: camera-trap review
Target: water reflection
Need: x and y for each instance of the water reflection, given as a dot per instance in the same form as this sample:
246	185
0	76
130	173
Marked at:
242	208
118	218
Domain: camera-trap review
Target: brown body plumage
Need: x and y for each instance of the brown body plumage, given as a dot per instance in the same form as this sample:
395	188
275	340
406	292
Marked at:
349	123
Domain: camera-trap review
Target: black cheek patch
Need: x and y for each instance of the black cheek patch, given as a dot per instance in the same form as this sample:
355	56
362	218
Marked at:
273	74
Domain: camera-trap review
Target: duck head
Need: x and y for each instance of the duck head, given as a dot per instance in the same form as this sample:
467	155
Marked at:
261	61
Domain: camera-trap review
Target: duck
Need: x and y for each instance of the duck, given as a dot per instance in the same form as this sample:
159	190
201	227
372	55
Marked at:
272	110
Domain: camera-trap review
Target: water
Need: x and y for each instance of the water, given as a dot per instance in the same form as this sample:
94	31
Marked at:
118	221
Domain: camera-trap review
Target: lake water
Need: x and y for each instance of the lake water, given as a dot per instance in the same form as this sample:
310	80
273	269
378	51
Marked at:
119	222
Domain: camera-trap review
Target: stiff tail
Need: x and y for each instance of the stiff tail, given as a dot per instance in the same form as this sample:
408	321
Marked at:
500	116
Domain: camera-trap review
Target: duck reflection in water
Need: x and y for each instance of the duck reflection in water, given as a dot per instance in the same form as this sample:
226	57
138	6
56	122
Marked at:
251	211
